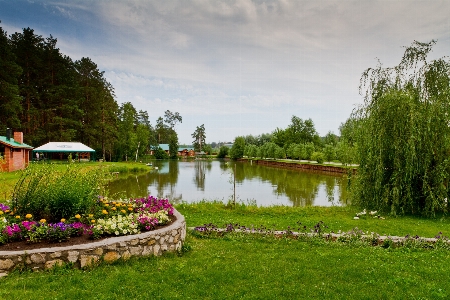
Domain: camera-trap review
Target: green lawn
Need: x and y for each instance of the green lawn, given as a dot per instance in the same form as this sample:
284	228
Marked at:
239	266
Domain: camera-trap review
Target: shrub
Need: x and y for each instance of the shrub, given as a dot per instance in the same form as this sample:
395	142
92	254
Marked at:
49	194
318	156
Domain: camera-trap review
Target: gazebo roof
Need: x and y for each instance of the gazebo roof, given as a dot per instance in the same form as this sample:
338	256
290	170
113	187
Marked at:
63	147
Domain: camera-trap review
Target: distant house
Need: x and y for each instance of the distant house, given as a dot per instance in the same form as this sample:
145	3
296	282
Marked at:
15	155
186	152
58	150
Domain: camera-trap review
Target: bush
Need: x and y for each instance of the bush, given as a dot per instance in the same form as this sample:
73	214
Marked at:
49	194
223	152
318	156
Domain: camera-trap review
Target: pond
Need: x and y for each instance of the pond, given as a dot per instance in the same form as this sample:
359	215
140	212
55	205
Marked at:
196	180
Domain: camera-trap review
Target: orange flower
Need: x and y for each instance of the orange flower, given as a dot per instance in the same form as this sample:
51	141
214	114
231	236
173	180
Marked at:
42	220
130	208
92	221
28	216
113	208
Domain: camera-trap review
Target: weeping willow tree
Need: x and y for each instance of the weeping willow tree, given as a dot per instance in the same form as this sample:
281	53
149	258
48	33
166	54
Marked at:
403	135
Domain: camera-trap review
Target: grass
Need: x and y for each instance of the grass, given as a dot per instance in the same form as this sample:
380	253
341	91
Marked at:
336	218
240	266
245	267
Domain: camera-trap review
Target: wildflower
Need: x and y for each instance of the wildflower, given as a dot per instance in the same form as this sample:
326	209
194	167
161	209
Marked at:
42	220
28	216
77	216
63	220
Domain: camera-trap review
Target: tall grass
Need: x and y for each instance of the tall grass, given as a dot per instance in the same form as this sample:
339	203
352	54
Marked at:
53	193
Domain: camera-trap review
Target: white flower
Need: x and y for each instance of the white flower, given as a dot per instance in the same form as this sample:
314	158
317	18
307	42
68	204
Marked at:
355	218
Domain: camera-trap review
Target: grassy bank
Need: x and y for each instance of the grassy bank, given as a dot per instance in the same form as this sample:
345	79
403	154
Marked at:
251	267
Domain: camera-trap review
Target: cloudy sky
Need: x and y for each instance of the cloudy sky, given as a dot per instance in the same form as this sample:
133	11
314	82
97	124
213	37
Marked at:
238	67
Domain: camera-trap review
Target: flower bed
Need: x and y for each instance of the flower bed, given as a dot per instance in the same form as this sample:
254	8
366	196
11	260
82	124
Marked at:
128	219
106	218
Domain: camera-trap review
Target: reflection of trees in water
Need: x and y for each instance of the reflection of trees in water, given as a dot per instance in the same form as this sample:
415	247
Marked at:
165	176
301	187
201	168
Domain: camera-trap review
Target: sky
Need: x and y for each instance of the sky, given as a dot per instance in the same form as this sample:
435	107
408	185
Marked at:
238	67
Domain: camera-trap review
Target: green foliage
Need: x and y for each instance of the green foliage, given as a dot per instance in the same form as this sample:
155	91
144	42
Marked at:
318	156
223	152
237	150
329	152
403	135
49	194
199	138
160	153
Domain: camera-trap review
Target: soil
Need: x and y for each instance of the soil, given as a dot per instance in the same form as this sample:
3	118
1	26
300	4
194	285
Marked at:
78	240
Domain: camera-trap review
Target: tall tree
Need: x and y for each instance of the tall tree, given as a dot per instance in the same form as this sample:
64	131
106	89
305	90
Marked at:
403	135
199	137
10	71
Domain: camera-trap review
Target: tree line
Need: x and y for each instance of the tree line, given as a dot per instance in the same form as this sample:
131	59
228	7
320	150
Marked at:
51	97
299	141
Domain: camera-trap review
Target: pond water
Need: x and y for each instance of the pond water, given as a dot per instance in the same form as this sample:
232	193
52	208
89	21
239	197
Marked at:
193	181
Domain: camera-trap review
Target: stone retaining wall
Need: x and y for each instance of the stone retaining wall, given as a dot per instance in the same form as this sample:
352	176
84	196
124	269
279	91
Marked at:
154	242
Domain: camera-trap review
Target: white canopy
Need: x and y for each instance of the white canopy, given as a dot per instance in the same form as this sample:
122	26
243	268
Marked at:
63	147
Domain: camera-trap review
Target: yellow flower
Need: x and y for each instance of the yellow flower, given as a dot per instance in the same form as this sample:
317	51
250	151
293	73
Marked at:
114	202
42	220
118	204
28	216
123	210
1	212
7	211
17	217
130	208
106	204
91	215
63	220
77	216
104	212
113	208
92	221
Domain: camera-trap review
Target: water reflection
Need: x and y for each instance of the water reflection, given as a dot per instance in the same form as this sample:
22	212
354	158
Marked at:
202	179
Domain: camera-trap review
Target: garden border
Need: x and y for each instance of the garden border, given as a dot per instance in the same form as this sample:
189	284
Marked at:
153	242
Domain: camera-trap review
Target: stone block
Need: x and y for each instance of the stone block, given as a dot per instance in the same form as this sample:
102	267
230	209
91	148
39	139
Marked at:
135	251
156	249
55	254
51	263
72	256
38	258
6	264
151	242
126	255
111	256
134	242
88	260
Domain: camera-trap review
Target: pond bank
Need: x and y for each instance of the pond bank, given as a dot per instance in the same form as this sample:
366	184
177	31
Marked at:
302	166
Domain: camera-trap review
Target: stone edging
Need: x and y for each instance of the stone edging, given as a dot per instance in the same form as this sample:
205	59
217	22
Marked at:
154	242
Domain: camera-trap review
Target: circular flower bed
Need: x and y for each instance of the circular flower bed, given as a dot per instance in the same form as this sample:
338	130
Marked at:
105	218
